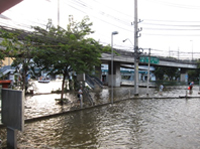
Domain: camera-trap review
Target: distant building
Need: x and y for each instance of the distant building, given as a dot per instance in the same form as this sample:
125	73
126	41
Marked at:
7	61
128	73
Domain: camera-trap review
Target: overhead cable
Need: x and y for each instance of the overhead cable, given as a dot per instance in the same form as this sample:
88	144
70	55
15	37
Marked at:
175	4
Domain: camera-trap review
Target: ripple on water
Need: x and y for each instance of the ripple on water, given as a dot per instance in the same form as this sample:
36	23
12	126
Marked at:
152	123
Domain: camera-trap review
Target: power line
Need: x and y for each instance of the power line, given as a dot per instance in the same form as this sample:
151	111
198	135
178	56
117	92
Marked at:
171	34
170	25
103	20
115	9
171	21
100	12
173	29
175	4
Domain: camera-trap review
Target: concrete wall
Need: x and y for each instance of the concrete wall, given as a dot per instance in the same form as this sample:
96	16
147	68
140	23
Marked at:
184	75
98	72
116	79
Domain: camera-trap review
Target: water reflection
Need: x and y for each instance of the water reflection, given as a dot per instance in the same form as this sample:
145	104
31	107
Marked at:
41	105
130	124
152	123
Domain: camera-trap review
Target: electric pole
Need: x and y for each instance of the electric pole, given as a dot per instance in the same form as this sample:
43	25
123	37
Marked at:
136	51
58	13
178	53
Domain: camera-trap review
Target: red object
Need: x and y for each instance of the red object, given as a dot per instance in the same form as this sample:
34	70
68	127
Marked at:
188	87
5	83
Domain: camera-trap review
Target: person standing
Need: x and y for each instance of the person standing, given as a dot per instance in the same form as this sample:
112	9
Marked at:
80	96
161	89
80	92
190	87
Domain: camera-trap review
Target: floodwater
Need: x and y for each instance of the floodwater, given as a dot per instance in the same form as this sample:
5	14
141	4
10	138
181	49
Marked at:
136	123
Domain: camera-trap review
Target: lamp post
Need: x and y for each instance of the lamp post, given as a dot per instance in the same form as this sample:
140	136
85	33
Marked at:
129	40
113	33
192	49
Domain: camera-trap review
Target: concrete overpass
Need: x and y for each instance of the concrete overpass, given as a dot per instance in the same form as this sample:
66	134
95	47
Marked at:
126	59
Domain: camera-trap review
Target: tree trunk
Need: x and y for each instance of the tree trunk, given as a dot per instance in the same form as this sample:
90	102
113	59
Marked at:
24	80
63	83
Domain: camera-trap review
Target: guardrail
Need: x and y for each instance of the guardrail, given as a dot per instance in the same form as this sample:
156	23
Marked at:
128	53
89	81
89	97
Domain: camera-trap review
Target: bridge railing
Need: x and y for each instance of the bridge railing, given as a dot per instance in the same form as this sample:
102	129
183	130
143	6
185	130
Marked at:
166	58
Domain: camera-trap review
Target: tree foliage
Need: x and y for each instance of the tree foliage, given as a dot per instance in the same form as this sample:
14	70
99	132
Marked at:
55	49
18	49
63	51
194	74
170	72
159	73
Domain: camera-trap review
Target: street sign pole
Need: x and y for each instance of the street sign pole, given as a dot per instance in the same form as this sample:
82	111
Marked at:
149	60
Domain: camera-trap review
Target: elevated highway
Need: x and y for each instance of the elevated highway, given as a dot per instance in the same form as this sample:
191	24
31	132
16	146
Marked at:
126	58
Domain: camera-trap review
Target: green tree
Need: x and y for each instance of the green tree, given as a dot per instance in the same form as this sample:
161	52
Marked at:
16	44
62	51
2	52
159	73
54	49
171	72
194	74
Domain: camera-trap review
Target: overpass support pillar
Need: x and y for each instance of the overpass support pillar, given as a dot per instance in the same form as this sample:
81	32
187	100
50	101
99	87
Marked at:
116	75
98	72
184	76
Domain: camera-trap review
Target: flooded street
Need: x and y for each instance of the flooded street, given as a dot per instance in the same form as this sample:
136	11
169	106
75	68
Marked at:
135	123
129	124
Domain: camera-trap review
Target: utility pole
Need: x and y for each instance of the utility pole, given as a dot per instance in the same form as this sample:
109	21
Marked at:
136	51
58	13
136	75
178	53
192	49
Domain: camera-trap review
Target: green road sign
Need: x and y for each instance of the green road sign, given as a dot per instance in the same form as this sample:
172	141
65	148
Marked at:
154	60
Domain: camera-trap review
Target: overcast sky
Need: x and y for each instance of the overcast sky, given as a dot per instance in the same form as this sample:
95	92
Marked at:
168	25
